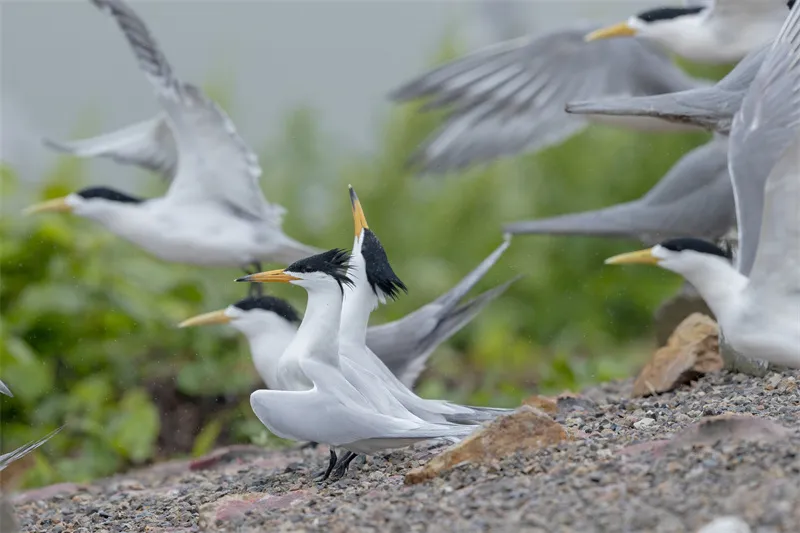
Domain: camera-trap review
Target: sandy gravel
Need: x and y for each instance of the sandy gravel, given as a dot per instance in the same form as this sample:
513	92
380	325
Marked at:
618	476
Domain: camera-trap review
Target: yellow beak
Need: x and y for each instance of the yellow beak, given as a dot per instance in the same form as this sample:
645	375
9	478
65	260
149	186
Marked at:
214	317
55	205
359	219
272	276
617	30
644	257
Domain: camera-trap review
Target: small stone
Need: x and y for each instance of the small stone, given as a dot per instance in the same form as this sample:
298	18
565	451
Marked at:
644	423
726	524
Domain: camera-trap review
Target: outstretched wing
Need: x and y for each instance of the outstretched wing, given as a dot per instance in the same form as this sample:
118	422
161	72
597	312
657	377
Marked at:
215	164
148	144
510	97
764	127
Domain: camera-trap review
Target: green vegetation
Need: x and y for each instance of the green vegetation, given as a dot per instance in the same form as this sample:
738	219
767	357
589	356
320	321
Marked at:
88	321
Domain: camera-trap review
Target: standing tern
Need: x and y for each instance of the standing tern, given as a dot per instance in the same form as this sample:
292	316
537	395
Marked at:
214	213
374	281
694	197
404	346
706	31
510	97
711	108
756	304
330	409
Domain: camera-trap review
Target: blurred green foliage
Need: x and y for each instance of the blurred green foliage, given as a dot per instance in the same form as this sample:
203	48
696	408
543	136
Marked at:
88	321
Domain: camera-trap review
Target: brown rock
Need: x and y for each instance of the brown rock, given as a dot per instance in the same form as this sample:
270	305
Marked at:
548	405
527	428
730	428
692	350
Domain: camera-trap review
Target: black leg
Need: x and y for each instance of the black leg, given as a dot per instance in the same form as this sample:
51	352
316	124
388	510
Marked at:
322	476
342	465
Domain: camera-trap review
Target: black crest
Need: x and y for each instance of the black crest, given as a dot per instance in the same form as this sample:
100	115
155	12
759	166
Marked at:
698	245
333	262
668	13
379	272
108	194
278	306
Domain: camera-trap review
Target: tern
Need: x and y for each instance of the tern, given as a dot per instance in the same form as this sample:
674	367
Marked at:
706	31
374	282
330	409
510	97
757	303
270	323
214	213
8	458
694	197
5	390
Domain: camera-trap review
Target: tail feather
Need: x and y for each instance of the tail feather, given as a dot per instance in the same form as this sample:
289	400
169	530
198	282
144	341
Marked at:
5	390
454	295
22	451
449	324
623	220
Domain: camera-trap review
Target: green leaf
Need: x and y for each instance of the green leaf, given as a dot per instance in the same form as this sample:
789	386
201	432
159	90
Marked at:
205	441
135	429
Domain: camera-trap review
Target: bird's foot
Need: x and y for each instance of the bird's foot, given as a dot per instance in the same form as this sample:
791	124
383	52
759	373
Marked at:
325	474
341	466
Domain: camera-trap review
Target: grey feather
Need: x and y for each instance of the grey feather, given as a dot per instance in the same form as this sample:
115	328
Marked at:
510	97
148	144
8	458
694	198
764	127
406	344
712	108
5	390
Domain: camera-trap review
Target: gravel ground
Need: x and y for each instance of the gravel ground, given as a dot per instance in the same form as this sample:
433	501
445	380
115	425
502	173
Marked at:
616	476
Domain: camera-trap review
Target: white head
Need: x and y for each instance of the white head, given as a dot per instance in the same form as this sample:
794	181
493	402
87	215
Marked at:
96	203
320	273
252	316
686	256
665	25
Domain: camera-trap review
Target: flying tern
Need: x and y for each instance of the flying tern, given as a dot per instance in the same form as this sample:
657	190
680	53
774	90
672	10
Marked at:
270	323
706	31
510	97
694	197
330	409
214	213
758	302
4	389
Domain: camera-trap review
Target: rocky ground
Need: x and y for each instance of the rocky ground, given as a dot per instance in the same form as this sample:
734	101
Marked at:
655	464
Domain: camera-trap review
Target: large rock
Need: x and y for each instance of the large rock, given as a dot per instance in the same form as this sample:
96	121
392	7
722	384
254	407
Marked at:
675	310
527	428
692	350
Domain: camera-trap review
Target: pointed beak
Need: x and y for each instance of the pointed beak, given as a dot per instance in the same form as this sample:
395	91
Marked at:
359	219
272	276
214	317
622	29
56	205
644	257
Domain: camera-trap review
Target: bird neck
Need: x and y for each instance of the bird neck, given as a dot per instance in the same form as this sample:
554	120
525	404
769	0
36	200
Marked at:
719	283
267	343
318	335
359	302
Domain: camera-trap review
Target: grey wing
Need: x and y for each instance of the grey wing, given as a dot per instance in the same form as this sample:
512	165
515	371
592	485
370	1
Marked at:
215	164
712	107
5	390
405	344
765	125
776	268
8	458
510	97
148	144
694	198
